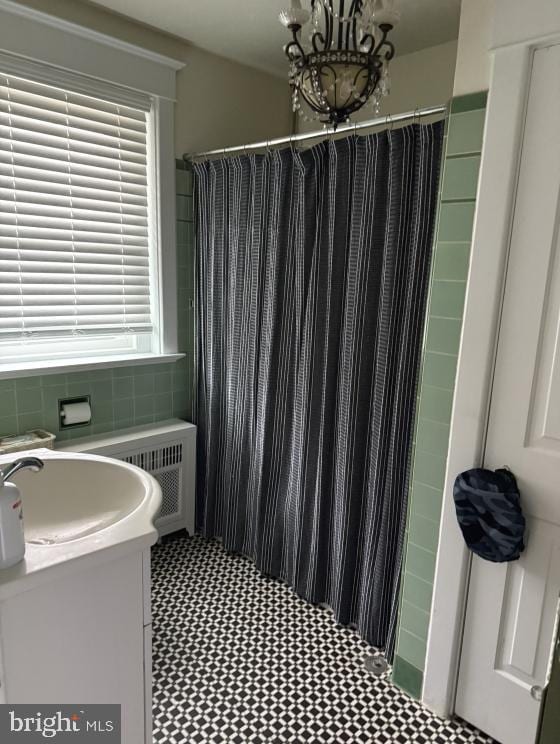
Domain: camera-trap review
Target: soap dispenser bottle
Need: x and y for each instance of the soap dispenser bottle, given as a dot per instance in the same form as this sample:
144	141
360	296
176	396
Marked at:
12	541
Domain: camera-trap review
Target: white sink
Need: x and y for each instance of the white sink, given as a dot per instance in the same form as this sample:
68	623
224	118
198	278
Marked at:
79	507
74	496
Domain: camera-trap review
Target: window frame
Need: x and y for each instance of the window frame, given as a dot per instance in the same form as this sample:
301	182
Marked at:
44	48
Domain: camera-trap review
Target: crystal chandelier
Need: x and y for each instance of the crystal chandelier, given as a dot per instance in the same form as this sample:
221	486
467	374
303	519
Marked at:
346	64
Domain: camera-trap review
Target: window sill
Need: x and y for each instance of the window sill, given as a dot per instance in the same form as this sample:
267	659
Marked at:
32	369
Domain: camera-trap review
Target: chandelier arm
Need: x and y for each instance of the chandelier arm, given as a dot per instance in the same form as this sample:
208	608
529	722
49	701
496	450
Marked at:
348	30
365	40
384	41
318	37
354	15
390	53
329	17
355	9
340	23
294	45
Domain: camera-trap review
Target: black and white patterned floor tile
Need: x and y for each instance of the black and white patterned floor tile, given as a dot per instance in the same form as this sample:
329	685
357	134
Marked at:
238	658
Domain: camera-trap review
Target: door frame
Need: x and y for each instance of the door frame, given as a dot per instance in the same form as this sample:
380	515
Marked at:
504	129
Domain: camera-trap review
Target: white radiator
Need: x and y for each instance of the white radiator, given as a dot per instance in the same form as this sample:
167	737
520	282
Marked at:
167	451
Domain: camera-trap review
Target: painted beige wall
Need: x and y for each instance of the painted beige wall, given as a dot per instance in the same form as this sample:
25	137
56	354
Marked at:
472	73
219	103
516	21
420	79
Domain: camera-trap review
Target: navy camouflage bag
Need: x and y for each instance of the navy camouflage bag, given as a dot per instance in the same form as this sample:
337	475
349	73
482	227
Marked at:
489	513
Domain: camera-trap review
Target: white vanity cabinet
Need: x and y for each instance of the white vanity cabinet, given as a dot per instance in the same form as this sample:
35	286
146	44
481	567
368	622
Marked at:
75	616
83	637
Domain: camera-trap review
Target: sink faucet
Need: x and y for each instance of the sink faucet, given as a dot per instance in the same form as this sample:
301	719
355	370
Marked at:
32	463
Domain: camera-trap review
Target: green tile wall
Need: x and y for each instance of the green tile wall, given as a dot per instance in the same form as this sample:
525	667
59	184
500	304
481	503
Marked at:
120	396
441	345
186	285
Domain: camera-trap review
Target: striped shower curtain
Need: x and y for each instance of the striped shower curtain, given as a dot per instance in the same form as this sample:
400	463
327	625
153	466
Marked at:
312	277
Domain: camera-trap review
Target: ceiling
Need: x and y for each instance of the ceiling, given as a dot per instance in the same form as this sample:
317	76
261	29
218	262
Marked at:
248	31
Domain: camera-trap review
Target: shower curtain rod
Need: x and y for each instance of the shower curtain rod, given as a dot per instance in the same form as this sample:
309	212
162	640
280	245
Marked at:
390	119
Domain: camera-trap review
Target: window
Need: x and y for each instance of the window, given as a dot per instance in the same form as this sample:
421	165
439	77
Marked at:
78	249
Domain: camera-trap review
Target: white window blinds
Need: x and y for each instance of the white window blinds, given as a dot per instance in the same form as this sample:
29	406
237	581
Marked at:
74	249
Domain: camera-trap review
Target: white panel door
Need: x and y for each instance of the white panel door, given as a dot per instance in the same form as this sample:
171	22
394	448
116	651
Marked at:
512	607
